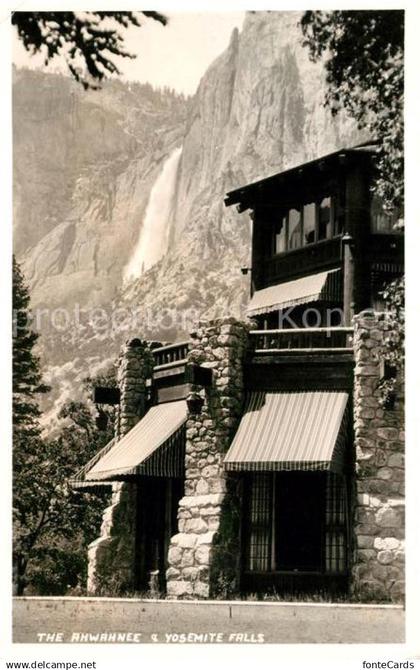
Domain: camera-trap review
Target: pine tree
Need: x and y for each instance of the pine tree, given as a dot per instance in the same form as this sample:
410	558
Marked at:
27	381
51	528
27	441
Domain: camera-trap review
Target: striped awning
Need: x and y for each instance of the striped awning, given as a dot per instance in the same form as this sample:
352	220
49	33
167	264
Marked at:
155	446
78	481
324	286
291	431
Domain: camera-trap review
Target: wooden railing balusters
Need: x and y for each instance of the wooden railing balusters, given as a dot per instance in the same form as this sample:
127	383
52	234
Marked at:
308	339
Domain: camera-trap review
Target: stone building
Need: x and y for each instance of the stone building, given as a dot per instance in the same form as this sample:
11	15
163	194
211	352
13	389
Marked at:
259	455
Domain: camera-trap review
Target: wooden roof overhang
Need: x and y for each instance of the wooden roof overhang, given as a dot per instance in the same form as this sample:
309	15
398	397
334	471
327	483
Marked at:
283	186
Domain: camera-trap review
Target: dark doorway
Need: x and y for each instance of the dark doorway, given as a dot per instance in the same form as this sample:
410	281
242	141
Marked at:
299	520
157	507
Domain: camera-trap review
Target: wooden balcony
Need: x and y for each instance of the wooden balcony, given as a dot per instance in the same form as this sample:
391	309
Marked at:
334	340
170	355
307	260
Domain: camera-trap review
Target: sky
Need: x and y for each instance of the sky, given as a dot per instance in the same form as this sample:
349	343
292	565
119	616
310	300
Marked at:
175	55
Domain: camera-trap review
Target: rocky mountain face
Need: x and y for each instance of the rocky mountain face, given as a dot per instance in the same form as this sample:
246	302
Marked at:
86	163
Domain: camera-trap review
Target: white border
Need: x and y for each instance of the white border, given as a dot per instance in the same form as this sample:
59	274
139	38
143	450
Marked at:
283	656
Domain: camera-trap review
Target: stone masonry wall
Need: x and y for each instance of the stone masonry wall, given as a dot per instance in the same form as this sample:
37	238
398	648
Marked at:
378	566
111	557
219	345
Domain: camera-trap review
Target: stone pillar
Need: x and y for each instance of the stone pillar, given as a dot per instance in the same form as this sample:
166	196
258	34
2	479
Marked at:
111	556
378	566
135	365
207	505
111	568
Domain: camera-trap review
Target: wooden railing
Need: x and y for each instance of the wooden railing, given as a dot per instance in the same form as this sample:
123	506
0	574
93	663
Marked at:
299	340
170	354
314	257
270	341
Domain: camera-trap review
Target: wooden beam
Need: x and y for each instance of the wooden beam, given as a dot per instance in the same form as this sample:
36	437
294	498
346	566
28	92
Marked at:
169	393
348	279
106	395
169	370
198	375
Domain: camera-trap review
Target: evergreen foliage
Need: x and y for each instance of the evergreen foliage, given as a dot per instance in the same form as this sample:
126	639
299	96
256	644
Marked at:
86	40
394	345
58	560
52	526
27	381
363	54
27	441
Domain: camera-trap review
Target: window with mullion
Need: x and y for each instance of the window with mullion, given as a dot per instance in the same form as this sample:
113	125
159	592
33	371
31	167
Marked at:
335	556
306	224
296	521
259	522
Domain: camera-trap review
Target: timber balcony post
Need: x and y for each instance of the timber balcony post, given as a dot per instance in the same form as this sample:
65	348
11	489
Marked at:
348	279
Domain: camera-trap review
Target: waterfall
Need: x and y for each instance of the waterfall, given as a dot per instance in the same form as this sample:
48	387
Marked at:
154	233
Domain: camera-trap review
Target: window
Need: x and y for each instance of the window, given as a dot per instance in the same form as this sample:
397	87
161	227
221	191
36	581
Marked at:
313	222
335	524
325	219
379	280
380	221
280	239
296	521
309	223
259	515
295	229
